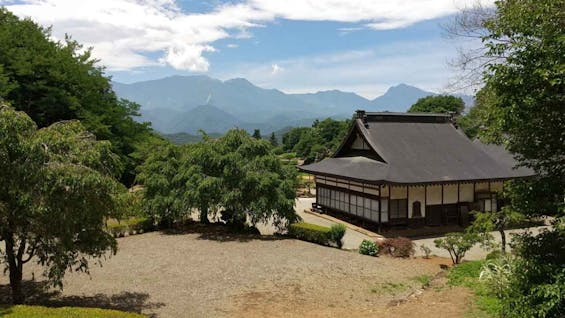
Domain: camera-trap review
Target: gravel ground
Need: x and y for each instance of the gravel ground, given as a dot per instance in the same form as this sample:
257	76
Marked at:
214	274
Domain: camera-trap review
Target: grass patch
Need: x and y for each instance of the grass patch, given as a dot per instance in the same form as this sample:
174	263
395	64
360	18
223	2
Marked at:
21	311
423	280
389	288
467	274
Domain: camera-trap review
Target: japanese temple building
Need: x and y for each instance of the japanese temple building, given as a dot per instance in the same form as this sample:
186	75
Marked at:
411	169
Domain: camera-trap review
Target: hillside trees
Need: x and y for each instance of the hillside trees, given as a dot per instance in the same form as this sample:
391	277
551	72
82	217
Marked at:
316	142
236	173
438	104
54	81
56	190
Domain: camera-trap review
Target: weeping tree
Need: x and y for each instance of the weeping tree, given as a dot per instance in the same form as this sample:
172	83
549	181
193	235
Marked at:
236	173
57	187
162	188
255	186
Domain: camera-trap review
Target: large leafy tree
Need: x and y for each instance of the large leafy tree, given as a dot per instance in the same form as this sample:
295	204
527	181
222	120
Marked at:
54	81
438	104
236	173
255	185
524	71
57	187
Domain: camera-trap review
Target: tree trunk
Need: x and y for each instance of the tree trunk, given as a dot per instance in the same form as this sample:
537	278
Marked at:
15	268
204	215
503	241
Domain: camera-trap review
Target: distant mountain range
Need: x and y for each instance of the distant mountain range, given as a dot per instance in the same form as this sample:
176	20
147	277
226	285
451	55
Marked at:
188	104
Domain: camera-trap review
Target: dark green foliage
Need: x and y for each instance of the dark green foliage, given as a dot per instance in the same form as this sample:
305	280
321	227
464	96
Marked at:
56	191
310	232
368	248
273	140
257	134
162	189
236	172
317	142
537	283
397	247
438	104
54	81
337	231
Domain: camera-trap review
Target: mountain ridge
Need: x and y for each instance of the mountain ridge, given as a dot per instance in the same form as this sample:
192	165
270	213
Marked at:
177	104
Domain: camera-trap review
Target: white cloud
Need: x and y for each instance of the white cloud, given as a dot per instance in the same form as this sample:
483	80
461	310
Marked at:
232	45
275	69
127	34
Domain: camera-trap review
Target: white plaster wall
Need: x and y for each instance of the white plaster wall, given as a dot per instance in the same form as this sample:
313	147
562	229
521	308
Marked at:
450	193
433	195
398	192
481	186
416	194
466	192
359	143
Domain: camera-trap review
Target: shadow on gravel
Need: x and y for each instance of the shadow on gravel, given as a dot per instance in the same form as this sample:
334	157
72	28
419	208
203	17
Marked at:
38	293
220	233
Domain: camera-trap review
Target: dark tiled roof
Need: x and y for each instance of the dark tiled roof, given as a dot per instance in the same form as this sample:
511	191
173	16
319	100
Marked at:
416	148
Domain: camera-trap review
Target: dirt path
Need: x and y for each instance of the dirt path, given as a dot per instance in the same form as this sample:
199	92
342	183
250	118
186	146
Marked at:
216	274
436	301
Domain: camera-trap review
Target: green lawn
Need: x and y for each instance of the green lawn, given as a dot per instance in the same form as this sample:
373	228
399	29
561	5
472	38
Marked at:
467	274
21	311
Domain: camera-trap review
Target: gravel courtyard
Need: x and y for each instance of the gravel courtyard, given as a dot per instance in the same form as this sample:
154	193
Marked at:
214	274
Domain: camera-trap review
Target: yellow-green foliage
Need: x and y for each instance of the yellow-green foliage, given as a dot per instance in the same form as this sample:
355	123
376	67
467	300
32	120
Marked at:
21	311
137	224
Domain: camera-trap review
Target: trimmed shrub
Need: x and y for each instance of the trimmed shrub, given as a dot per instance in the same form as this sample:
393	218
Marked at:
368	248
398	247
310	232
337	231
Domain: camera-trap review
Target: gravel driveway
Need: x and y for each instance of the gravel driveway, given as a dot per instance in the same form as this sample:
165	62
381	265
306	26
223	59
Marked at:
214	274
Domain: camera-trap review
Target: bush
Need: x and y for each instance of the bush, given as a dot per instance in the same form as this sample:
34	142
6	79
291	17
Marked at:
310	232
457	244
397	247
368	248
337	231
496	254
426	250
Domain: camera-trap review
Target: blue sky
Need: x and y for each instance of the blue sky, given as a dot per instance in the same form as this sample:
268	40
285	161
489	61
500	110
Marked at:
362	46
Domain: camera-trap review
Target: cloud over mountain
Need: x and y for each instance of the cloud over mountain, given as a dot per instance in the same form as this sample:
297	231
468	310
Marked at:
128	34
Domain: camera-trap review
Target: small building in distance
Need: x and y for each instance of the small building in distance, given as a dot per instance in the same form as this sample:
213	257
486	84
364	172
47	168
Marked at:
411	169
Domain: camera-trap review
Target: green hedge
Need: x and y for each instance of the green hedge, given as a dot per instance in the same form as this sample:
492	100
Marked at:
310	232
130	226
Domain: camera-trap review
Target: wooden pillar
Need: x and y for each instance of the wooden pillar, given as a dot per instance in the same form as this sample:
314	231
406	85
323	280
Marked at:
442	208
316	183
490	195
380	204
425	201
458	203
407	201
388	203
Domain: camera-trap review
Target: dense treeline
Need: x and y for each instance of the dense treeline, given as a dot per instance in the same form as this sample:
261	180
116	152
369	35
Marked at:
316	142
54	81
